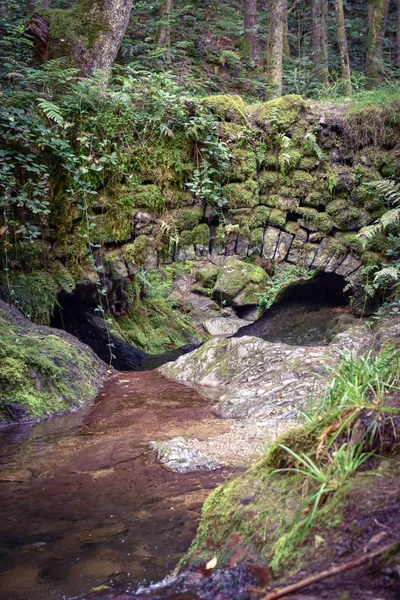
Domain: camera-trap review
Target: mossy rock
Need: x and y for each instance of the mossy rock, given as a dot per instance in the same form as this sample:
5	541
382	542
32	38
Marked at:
207	275
186	238
308	163
256	236
201	234
137	251
239	216
149	197
229	132
285	111
259	217
175	198
346	216
314	220
277	218
188	218
43	371
317	199
302	183
234	276
227	107
269	181
34	293
243	162
371	259
241	195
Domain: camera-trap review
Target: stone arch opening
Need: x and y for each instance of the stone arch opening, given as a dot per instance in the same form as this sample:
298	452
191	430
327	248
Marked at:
307	312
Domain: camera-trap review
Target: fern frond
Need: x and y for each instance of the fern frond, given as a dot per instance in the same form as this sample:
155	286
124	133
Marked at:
391	217
392	273
387	188
52	111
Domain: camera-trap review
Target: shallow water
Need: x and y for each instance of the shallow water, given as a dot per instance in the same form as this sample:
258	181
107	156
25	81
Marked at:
83	501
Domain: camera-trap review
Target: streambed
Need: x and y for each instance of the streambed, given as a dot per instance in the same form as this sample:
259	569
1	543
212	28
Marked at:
83	500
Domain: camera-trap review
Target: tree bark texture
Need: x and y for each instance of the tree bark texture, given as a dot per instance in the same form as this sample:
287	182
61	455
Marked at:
3	9
398	36
275	47
163	35
286	45
251	42
378	11
343	48
319	39
89	34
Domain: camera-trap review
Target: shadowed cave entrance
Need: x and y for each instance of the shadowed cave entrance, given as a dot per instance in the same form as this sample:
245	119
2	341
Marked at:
76	314
307	313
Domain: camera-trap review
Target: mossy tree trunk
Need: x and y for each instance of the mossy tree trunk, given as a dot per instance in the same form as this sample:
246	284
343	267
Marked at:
324	50
378	11
251	42
3	9
343	48
286	45
163	35
275	47
89	34
316	16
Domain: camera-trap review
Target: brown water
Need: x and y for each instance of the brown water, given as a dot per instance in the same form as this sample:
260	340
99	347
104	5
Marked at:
83	501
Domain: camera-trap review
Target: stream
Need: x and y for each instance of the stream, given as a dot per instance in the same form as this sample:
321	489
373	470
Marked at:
83	500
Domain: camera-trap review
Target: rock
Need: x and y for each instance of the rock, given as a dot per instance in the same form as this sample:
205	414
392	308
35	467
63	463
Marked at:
178	456
272	380
235	275
43	371
283	247
220	326
207	275
271	237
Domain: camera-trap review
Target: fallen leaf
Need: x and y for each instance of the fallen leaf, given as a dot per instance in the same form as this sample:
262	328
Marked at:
212	563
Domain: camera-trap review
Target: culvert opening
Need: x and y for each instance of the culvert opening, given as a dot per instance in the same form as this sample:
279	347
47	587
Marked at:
307	313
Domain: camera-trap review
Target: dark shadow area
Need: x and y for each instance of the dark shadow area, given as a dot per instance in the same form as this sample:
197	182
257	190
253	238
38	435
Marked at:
307	313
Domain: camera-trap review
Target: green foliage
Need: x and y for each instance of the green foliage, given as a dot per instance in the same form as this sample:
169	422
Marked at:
285	275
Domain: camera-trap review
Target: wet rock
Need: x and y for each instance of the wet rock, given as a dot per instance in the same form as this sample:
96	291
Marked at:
220	326
234	276
178	456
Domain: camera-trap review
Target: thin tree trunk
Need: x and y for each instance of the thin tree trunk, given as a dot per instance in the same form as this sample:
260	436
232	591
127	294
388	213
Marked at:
343	48
286	45
316	36
275	47
398	36
163	35
251	31
3	9
31	5
324	55
377	16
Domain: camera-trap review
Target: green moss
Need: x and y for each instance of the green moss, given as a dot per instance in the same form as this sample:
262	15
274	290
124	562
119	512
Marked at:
201	234
345	215
227	107
292	227
308	163
229	132
256	236
149	197
34	293
207	275
277	217
317	199
302	182
175	198
371	259
243	163
188	218
241	195
138	250
316	220
269	180
41	373
259	217
186	238
286	111
350	241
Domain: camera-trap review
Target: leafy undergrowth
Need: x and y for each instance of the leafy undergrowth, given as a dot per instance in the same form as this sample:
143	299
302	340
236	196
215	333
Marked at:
326	490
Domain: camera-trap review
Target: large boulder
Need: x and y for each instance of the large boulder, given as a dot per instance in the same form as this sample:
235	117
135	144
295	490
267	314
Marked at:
43	371
238	283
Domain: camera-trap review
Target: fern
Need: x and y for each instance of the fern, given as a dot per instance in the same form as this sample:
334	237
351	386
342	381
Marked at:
391	273
52	111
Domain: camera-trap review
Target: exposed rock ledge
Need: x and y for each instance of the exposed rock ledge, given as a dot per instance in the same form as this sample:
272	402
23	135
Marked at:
271	380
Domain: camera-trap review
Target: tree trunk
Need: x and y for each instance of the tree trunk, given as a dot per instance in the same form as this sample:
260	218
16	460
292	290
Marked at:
3	9
286	45
275	47
398	36
89	35
32	5
163	35
378	11
324	55
316	36
251	44
343	48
